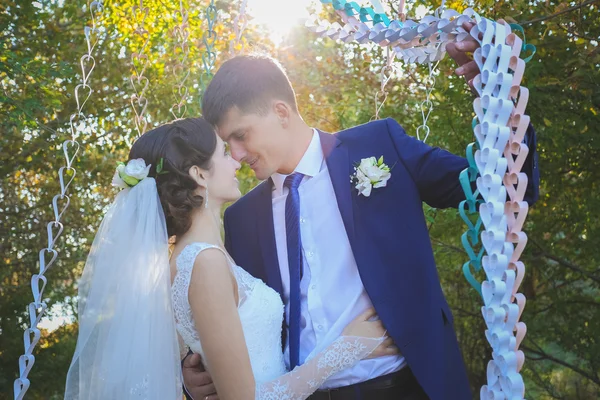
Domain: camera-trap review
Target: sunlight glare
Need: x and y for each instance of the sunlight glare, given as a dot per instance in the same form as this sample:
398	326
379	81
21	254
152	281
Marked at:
279	16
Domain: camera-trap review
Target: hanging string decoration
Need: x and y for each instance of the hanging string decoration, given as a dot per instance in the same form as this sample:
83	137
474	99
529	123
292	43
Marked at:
208	40
385	75
139	64
60	203
409	41
181	71
239	25
426	105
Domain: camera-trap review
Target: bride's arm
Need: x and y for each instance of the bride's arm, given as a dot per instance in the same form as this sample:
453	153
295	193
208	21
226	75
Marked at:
213	301
212	297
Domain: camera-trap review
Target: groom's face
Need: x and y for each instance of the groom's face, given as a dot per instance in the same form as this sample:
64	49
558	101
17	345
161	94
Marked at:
258	140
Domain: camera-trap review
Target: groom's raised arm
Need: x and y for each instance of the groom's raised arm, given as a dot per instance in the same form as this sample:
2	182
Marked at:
436	171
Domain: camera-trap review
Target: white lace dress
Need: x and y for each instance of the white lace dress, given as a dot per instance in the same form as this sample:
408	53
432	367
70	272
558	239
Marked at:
261	314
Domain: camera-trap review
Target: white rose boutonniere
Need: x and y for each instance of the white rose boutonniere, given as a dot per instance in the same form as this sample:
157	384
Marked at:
370	173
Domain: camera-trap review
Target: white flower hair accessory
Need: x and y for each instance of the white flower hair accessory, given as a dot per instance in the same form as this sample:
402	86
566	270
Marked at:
130	174
370	173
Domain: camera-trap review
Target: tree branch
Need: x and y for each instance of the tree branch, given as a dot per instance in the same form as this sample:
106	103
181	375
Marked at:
543	383
547	17
572	32
448	246
549	357
564	263
575	302
391	5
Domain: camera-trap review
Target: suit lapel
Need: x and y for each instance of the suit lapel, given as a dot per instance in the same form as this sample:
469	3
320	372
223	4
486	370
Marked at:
340	170
266	237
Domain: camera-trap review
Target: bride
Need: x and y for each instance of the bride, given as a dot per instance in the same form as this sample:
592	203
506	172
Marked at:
137	294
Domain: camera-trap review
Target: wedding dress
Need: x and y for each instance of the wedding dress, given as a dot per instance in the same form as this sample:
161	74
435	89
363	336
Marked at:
261	314
130	312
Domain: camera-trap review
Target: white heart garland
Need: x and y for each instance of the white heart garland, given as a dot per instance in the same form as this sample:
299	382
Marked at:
500	128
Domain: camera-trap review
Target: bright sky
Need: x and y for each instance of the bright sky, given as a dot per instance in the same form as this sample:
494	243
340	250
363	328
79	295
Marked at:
280	16
55	317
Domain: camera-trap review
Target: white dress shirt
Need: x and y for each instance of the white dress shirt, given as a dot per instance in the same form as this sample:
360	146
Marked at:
331	291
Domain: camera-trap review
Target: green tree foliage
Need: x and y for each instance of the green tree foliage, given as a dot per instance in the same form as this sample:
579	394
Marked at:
335	85
39	68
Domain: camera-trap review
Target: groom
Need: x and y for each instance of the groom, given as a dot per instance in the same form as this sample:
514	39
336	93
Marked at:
331	252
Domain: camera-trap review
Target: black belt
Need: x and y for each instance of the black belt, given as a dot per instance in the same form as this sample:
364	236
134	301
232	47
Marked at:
396	385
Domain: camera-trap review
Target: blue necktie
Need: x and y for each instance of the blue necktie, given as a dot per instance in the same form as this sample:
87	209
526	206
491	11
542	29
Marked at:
294	250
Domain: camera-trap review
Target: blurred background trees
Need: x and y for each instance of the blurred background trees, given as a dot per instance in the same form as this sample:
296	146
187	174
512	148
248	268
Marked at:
40	46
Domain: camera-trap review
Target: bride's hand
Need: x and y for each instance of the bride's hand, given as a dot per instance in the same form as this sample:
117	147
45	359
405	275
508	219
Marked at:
362	326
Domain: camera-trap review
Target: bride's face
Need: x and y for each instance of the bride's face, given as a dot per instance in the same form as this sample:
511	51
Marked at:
223	185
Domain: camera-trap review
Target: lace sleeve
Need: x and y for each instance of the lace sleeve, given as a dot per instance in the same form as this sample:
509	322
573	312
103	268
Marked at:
304	380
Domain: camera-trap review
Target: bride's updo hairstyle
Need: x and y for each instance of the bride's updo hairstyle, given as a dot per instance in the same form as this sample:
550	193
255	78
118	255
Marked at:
181	144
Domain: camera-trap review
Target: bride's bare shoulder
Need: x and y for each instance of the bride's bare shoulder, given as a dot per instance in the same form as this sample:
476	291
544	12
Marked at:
212	273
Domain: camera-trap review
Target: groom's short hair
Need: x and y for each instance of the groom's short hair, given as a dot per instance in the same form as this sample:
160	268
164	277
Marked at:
249	83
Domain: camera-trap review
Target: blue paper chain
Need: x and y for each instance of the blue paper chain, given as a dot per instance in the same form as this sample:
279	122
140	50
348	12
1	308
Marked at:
468	210
525	47
352	9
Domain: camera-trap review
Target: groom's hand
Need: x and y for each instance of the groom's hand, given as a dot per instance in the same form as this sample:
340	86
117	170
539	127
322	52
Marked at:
462	53
197	381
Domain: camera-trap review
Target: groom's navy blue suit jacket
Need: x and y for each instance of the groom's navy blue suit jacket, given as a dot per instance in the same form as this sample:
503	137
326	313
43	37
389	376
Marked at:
389	238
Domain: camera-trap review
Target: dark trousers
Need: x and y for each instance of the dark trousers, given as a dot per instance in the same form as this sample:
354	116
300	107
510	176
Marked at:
401	385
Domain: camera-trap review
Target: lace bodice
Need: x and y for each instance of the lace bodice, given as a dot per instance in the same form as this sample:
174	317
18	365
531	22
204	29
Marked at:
260	309
261	314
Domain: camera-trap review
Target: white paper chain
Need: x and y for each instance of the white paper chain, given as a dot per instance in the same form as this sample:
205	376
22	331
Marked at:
426	105
239	25
500	131
139	63
413	42
180	70
60	202
499	136
385	75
